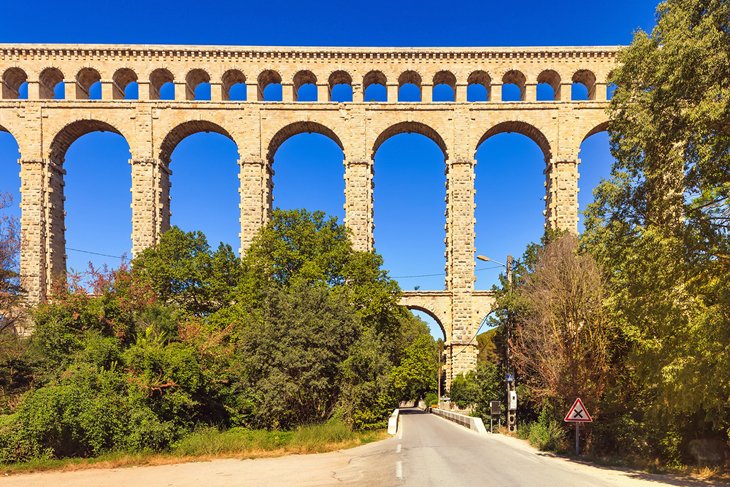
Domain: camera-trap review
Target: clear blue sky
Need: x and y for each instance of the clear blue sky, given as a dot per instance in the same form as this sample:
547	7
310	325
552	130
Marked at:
409	168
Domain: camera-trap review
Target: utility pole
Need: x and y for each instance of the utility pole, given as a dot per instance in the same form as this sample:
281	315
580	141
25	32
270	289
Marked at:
438	378
511	387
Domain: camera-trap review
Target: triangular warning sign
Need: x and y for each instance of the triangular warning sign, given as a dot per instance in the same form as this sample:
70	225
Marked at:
578	413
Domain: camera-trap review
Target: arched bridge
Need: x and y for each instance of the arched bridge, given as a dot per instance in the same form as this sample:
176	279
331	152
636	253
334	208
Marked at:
151	96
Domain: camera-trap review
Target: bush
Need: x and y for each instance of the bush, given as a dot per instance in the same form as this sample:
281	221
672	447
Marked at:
431	399
546	433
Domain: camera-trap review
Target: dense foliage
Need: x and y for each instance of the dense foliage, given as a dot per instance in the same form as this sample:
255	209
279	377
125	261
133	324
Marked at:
301	330
635	317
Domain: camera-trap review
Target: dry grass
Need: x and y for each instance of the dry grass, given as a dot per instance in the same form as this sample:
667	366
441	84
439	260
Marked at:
210	444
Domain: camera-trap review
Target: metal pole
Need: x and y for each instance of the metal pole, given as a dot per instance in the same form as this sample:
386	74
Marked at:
511	414
438	379
577	438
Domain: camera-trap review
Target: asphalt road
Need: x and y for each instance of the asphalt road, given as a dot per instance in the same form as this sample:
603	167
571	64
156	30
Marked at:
426	451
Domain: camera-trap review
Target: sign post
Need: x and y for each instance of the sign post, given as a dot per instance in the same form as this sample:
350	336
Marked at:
578	414
495	410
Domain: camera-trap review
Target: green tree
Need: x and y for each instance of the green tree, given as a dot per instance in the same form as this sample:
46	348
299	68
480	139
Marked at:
182	270
659	228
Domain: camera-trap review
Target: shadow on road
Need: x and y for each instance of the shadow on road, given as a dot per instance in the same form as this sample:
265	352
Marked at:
412	411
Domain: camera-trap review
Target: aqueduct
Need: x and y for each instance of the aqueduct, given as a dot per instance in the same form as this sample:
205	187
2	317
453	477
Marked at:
71	90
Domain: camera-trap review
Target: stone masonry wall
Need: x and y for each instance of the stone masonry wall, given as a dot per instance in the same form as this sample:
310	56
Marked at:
45	127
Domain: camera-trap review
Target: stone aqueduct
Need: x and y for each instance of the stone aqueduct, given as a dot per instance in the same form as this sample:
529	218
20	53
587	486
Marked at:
45	127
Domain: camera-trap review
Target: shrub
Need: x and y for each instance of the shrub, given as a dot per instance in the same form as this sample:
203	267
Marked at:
546	433
431	399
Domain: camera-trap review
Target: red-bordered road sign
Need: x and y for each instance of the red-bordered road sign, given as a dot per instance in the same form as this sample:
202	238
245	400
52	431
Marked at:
578	413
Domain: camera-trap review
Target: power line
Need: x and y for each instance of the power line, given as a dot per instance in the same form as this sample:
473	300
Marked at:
95	253
443	273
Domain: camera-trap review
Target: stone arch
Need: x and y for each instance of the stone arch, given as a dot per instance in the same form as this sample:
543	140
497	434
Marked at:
340	78
519	127
85	78
158	78
229	79
408	128
516	78
601	127
588	79
184	130
121	79
551	78
12	80
301	78
71	132
194	78
413	78
444	78
297	128
374	78
48	79
266	78
438	319
480	78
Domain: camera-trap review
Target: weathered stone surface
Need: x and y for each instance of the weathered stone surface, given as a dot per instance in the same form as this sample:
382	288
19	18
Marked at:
45	128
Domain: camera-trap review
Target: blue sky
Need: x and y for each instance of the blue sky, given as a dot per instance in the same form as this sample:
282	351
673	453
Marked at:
409	168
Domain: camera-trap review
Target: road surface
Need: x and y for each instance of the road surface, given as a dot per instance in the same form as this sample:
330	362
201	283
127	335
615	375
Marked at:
427	451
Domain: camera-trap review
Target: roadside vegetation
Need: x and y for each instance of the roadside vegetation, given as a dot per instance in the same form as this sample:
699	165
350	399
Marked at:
634	316
300	346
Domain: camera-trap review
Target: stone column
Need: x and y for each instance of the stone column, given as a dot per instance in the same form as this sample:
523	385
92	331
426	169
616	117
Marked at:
392	92
323	92
33	230
530	92
55	223
144	89
427	93
460	262
252	92
182	92
565	92
256	199
34	90
495	92
287	93
358	93
70	89
107	90
359	203
150	202
561	195
216	91
601	92
460	93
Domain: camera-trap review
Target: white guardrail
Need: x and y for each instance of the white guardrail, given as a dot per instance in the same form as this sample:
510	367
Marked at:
393	422
474	424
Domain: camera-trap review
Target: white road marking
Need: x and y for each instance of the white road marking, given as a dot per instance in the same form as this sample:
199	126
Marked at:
397	448
399	470
400	430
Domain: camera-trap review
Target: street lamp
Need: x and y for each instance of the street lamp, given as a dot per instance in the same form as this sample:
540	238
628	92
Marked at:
511	391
